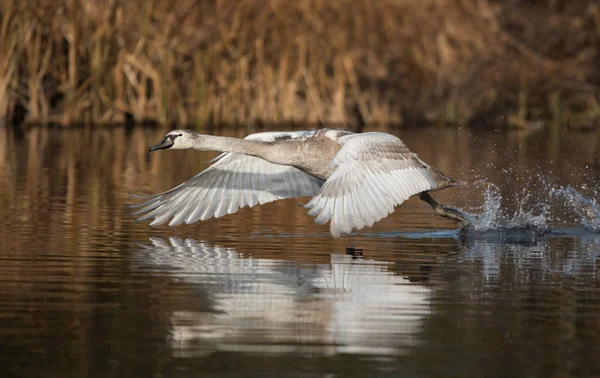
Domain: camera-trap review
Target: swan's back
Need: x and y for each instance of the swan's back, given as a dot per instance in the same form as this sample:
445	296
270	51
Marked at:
315	150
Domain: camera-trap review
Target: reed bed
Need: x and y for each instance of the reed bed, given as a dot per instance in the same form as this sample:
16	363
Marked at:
351	62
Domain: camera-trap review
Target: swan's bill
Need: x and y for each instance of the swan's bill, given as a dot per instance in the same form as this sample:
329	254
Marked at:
167	142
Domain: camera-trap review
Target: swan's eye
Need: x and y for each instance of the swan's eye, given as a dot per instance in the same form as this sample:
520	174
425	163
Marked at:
180	135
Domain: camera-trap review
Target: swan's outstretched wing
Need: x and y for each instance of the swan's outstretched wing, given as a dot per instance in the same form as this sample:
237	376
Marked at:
232	182
373	173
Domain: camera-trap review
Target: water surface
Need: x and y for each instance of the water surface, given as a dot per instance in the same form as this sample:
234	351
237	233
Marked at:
88	292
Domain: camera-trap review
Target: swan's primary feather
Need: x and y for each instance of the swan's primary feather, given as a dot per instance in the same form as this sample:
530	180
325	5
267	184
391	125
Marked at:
373	173
232	182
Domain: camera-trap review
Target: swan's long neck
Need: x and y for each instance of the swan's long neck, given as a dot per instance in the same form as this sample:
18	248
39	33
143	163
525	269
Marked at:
272	152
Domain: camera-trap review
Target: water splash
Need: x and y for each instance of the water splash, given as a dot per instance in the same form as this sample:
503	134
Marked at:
537	207
587	209
529	214
490	214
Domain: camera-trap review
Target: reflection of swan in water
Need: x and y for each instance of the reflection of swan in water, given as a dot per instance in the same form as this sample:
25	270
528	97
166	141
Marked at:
347	306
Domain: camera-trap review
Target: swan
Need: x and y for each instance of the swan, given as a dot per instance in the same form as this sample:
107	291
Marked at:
354	179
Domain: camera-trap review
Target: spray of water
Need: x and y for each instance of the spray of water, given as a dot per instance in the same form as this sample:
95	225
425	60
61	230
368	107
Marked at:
538	206
588	210
492	216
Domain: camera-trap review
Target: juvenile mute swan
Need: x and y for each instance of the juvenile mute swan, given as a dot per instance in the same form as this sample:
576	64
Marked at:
355	179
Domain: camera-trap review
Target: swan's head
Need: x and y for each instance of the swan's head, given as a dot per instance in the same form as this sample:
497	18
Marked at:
176	140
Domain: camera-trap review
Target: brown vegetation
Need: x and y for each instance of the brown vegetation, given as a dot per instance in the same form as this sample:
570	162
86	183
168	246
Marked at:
308	61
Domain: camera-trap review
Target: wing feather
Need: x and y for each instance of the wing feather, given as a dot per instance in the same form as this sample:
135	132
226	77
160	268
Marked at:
233	181
373	173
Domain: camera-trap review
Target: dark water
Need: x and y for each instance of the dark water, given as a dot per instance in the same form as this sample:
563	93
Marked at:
87	292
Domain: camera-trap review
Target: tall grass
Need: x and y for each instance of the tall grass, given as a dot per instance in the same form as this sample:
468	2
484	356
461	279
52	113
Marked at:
309	61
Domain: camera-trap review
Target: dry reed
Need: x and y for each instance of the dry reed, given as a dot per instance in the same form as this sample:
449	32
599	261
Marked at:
310	61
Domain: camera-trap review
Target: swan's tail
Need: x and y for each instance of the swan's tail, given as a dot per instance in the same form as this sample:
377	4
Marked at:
442	180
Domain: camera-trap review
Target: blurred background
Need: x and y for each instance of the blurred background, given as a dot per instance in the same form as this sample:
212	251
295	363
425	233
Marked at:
351	62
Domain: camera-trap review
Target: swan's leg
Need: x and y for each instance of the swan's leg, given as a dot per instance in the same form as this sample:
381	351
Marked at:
445	211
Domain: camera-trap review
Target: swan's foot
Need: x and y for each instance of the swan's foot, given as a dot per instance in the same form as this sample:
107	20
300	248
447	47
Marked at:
445	211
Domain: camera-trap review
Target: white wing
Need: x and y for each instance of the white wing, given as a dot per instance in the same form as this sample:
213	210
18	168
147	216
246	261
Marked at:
232	182
373	173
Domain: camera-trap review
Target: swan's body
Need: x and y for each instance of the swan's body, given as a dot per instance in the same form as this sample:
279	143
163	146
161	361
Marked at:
355	179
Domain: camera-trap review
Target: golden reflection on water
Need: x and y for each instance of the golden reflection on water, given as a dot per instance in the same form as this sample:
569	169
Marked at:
77	268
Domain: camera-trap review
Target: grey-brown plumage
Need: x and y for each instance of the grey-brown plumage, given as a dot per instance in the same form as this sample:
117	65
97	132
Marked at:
354	179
